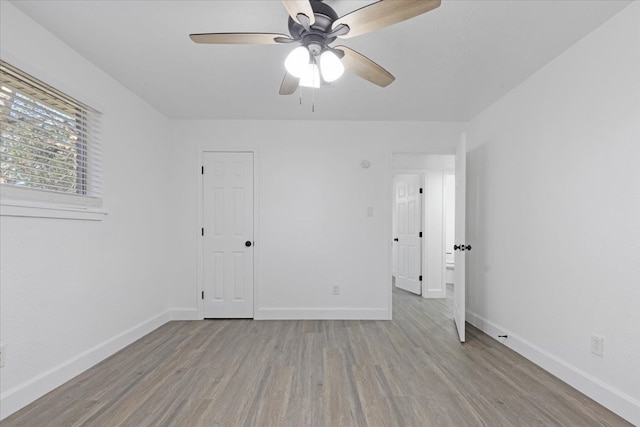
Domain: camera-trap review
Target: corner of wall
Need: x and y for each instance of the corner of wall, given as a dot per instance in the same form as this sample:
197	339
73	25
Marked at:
24	394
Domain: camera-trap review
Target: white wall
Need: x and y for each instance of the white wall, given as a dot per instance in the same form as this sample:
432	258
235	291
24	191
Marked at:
444	162
434	242
449	219
553	215
313	229
73	292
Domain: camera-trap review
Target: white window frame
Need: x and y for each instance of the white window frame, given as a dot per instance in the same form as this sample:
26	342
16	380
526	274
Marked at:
32	202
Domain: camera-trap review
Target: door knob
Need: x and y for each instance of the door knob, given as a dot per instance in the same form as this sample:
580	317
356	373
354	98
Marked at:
461	248
247	243
395	240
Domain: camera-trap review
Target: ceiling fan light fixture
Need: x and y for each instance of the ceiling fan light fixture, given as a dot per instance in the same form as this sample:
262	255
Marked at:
311	77
315	25
331	66
297	62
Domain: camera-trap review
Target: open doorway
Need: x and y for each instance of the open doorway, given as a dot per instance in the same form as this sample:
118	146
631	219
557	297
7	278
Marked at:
423	206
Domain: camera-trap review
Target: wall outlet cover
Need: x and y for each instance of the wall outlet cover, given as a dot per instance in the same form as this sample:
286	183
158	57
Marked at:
597	345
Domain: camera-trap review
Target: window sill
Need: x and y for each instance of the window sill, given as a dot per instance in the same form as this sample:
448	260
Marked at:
37	210
29	202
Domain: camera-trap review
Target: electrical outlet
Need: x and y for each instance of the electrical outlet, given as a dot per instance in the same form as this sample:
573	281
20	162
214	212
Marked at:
597	345
336	289
3	354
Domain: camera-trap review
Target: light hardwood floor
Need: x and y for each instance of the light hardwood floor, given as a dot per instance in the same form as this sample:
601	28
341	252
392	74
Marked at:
407	372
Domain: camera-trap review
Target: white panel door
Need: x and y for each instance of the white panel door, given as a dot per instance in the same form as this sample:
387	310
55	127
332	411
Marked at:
228	235
459	285
394	228
409	227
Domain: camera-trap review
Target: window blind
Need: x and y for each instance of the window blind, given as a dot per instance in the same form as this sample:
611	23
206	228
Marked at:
49	141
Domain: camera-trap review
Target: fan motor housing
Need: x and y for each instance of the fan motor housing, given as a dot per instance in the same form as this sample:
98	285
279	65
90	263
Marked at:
317	34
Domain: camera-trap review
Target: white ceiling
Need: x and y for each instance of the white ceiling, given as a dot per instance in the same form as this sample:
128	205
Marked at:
450	63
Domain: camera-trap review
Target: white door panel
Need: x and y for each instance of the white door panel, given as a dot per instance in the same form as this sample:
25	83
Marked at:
408	203
459	285
228	235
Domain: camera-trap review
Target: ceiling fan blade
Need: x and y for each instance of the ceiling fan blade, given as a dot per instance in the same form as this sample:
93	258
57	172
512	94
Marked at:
295	7
383	14
239	38
289	84
365	68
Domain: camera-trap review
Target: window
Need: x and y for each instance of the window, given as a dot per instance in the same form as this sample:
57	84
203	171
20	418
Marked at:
49	146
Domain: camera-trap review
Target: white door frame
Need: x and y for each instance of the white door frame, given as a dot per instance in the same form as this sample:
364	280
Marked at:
391	190
200	220
428	239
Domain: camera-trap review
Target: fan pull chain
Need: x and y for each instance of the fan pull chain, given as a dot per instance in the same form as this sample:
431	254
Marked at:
313	90
313	98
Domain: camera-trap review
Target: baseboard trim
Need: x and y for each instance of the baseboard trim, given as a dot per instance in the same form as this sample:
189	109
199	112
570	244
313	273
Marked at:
434	293
20	396
322	314
183	314
613	399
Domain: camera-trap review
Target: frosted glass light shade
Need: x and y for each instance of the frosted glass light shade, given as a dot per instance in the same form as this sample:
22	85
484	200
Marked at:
311	77
331	66
297	61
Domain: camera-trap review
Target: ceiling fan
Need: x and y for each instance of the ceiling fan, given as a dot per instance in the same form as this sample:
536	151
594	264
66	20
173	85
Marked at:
314	25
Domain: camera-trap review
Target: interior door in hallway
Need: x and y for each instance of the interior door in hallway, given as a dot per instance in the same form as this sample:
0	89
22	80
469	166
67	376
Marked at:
228	235
460	245
408	234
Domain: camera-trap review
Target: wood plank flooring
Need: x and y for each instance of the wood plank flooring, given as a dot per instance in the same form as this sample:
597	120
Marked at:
411	371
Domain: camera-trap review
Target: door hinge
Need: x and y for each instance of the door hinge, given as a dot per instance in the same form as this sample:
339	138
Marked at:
202	170
202	294
420	279
420	235
421	191
203	231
